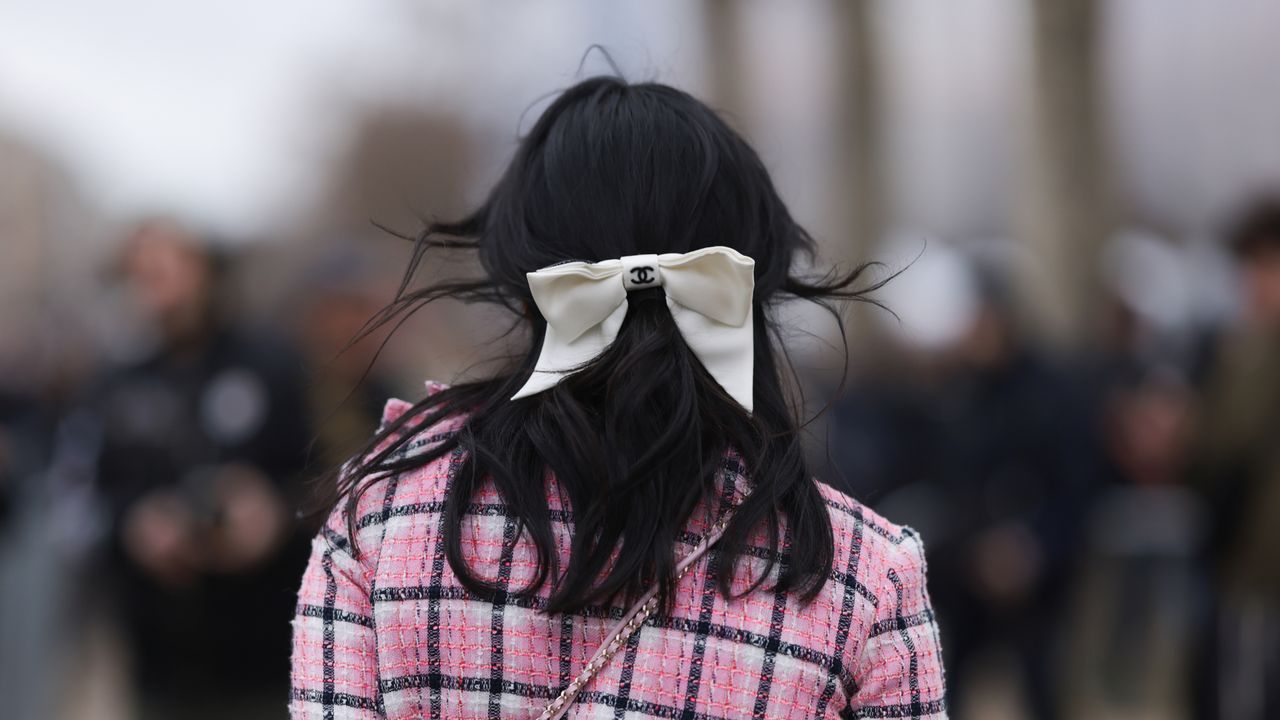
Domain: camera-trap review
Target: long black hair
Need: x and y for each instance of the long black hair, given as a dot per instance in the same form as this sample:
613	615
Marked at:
635	439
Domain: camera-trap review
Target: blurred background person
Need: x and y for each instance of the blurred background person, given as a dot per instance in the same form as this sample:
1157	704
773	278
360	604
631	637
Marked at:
1236	465
26	625
203	439
987	444
1136	597
345	389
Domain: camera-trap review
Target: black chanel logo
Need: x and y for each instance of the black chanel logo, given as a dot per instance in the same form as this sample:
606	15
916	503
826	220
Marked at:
642	274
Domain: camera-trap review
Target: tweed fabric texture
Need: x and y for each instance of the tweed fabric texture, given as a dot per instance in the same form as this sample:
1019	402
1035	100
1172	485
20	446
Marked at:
394	635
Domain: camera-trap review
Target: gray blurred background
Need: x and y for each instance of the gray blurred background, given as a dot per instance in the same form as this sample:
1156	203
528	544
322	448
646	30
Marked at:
1077	402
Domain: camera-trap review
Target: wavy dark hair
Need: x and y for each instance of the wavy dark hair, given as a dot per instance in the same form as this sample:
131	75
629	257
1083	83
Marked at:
635	438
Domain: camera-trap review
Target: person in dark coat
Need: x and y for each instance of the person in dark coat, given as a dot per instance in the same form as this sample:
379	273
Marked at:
202	443
1236	466
987	446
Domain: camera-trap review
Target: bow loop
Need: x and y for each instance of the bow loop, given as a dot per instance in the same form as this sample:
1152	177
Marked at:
576	296
716	282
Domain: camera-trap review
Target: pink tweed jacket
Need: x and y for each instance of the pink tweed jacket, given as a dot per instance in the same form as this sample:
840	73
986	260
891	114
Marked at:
394	635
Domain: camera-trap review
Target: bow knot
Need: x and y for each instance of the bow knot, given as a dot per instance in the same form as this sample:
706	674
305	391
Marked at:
708	292
640	272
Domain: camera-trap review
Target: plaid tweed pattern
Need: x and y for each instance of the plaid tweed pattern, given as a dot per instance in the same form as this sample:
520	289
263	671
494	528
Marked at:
394	635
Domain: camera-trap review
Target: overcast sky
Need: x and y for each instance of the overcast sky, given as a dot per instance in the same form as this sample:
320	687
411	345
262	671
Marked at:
187	104
224	110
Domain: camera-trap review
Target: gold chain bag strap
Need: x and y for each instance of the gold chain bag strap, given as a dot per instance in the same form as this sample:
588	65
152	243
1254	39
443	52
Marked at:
630	621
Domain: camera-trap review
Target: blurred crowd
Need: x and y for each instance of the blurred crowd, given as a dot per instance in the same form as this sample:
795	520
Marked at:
1106	521
157	511
1102	524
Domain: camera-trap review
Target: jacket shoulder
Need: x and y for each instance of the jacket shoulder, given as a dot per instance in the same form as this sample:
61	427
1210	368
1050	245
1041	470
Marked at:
883	560
875	532
883	563
380	496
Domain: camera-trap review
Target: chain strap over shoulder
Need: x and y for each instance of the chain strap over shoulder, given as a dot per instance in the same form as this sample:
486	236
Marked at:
628	624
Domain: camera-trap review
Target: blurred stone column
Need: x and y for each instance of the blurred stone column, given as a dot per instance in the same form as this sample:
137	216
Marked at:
853	196
722	19
856	198
857	190
1064	214
858	187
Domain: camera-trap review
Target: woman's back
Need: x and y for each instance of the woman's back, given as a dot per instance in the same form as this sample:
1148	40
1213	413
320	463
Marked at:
393	634
493	536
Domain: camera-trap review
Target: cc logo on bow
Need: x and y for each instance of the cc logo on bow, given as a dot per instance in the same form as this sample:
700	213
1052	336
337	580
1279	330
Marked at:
642	275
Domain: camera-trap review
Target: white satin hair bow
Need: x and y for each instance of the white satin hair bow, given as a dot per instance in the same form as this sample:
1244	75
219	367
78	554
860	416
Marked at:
708	291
